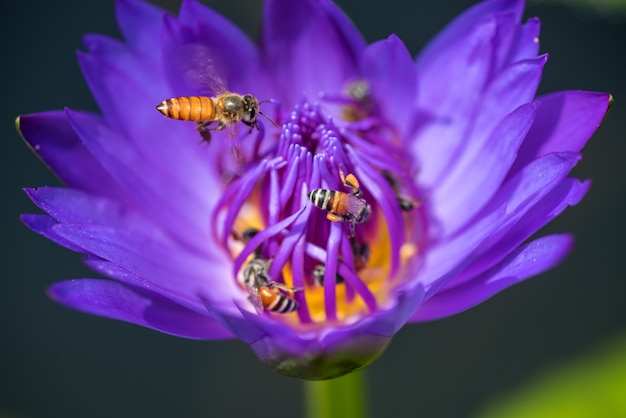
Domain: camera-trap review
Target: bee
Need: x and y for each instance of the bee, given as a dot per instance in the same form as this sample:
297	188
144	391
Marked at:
341	206
265	294
361	254
406	203
214	113
318	275
361	103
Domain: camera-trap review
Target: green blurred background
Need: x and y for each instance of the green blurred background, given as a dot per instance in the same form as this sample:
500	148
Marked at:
60	363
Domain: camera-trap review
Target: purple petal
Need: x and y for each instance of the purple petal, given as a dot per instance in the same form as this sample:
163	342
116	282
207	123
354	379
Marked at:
106	55
474	179
308	47
164	191
223	44
459	27
515	198
566	194
161	266
388	67
448	85
114	300
74	206
349	33
513	87
126	104
52	138
529	260
44	226
565	121
447	78
321	353
526	43
139	21
507	24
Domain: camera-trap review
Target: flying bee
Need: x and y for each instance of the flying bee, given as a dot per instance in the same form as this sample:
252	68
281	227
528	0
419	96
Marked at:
406	203
214	113
341	206
266	294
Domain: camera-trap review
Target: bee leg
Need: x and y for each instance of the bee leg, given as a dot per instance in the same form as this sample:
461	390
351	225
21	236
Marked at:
352	231
204	130
351	182
334	217
282	287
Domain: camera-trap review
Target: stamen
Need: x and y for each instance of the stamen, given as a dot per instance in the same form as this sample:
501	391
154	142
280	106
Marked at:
354	228
330	276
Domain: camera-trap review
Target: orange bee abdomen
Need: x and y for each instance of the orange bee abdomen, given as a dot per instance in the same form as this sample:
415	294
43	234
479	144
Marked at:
274	301
189	108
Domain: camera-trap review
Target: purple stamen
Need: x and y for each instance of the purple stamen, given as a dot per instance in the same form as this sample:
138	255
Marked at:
311	153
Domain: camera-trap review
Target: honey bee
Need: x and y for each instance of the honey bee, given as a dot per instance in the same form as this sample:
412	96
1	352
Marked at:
360	94
265	294
318	275
406	203
361	254
343	207
214	113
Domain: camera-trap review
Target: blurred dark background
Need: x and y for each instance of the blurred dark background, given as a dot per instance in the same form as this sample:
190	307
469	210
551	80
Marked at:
60	363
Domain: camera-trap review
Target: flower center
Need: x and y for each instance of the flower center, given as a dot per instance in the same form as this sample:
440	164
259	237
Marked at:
322	221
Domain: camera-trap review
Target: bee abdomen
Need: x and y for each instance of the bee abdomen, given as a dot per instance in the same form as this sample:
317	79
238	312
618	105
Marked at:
274	301
190	108
323	198
283	304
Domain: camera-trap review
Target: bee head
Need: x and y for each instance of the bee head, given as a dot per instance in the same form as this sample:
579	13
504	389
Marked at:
364	214
250	109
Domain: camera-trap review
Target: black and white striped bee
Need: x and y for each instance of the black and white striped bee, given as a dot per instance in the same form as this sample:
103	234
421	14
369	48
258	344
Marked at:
266	294
341	206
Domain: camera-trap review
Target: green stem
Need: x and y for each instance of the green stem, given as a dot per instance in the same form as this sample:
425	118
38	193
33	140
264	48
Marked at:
343	397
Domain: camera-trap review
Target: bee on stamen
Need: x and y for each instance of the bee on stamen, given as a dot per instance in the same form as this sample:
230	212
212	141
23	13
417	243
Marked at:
341	206
264	293
361	254
360	94
318	275
406	203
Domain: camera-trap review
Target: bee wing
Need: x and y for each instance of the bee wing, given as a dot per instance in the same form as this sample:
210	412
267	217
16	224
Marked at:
355	204
198	65
255	297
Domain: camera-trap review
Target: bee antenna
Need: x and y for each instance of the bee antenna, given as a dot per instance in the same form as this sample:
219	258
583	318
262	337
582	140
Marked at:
268	118
269	101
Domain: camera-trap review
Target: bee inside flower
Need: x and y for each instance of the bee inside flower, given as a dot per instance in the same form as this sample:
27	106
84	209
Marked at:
389	189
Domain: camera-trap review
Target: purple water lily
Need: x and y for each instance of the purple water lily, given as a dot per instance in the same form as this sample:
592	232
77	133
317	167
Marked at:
379	189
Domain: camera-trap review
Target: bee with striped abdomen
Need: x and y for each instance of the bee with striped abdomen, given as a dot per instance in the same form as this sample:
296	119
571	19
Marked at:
361	256
266	294
213	113
405	202
341	206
